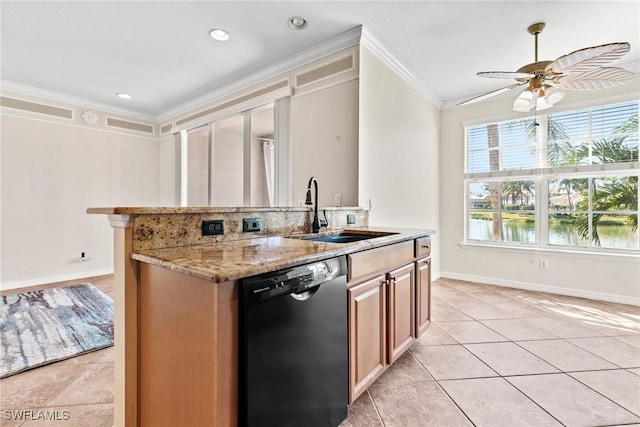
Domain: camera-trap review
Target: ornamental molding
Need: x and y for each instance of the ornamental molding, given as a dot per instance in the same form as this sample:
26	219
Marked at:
89	117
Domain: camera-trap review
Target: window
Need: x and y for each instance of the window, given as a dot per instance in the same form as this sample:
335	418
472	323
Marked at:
567	179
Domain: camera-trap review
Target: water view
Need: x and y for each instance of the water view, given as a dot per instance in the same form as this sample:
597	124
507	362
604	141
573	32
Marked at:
620	236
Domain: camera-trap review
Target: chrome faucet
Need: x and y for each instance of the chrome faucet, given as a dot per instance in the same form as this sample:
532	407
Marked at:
317	223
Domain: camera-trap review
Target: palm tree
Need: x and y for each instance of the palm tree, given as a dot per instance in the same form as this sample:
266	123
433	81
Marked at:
517	192
560	151
615	193
493	141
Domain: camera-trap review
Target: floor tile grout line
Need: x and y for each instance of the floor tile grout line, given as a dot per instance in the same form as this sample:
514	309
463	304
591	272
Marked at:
523	321
535	355
443	390
557	367
424	368
533	401
597	392
564	320
454	402
592	353
375	407
431	324
65	389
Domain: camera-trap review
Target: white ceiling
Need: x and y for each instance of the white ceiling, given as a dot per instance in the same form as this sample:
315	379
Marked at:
160	51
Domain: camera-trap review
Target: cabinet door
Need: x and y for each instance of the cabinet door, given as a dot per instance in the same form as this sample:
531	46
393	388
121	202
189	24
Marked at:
401	311
423	295
367	334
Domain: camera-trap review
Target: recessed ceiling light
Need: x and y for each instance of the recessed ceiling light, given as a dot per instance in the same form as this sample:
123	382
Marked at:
123	95
218	34
297	23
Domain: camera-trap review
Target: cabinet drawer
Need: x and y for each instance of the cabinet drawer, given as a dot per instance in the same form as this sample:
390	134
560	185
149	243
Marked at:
423	246
367	263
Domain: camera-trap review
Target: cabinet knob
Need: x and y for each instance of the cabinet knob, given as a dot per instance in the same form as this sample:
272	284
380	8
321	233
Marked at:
425	246
393	278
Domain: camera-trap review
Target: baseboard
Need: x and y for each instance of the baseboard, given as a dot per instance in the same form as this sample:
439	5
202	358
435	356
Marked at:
600	296
53	279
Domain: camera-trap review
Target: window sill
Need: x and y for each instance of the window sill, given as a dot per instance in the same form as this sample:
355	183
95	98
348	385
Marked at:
621	256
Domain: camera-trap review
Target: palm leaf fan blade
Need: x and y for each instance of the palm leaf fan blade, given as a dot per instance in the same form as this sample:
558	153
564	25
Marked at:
490	94
600	78
588	58
505	75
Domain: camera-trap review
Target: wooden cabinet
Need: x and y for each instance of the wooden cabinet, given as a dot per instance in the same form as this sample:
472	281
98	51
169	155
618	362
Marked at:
401	311
381	311
367	334
423	284
389	307
423	295
188	350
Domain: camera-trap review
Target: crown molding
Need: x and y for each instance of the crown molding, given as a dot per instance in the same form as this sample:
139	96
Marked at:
50	95
368	41
341	41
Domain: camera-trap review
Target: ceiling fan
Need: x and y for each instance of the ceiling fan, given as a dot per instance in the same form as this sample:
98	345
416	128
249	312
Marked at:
545	80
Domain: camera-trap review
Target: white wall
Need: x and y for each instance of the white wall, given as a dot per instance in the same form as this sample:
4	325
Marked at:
168	182
198	167
227	174
613	278
398	152
324	135
52	171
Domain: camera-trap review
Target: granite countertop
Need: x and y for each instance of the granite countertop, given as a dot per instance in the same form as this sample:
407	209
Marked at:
232	260
149	210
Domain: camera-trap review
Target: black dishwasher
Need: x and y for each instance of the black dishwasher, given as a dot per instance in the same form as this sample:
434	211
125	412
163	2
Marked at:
293	362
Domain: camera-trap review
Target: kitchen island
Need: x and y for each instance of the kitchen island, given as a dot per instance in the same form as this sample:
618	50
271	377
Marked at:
176	301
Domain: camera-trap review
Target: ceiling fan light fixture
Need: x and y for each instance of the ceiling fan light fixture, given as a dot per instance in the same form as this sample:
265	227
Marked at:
538	98
542	104
524	101
553	95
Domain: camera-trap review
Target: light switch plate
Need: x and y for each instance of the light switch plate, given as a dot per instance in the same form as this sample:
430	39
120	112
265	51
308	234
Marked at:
250	224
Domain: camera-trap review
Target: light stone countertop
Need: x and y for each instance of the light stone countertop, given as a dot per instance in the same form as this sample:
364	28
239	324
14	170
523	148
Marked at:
232	260
150	210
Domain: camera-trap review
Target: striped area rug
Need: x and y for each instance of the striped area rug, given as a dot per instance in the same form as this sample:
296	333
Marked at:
42	327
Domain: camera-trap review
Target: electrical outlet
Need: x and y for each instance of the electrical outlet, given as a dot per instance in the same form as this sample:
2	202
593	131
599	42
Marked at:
337	199
250	224
351	219
370	204
543	264
212	227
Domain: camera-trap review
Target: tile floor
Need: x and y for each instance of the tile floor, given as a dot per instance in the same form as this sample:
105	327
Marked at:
493	356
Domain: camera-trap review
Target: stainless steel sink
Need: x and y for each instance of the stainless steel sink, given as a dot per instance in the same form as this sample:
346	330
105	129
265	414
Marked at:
347	237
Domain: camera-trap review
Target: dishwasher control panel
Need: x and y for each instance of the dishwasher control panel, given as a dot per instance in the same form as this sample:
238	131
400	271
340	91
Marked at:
293	280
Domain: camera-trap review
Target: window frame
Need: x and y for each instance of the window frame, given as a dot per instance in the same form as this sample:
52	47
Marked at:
542	175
